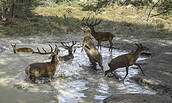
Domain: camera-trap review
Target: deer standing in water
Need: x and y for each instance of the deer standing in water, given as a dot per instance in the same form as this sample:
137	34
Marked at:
90	48
46	69
126	60
99	36
21	49
69	48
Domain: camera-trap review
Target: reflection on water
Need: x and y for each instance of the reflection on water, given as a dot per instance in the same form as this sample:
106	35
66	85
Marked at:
73	82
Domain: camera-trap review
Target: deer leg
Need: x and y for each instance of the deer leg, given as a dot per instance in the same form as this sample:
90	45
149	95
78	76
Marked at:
107	71
93	66
126	74
30	77
50	78
140	68
100	45
111	44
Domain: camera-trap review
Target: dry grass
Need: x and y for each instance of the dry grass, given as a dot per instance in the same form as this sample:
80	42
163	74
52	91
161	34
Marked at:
125	22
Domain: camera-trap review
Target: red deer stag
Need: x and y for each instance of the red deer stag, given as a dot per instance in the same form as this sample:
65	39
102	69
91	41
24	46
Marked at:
99	36
69	48
46	69
90	48
21	49
126	60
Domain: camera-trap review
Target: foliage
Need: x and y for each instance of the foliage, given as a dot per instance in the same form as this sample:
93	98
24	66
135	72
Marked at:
15	8
165	7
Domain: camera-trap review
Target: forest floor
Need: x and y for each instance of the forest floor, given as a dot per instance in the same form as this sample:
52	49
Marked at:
157	69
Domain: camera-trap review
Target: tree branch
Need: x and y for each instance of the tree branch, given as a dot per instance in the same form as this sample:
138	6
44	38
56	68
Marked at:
153	8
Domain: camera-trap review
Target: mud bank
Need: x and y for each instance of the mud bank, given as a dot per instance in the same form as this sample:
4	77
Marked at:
136	98
158	68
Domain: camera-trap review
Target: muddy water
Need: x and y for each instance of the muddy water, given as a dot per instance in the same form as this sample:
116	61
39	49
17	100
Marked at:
73	82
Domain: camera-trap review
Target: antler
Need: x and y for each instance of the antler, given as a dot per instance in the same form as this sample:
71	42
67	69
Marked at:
96	23
86	22
66	44
73	43
45	52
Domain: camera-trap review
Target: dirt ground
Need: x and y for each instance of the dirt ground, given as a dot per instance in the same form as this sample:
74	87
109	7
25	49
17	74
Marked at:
157	69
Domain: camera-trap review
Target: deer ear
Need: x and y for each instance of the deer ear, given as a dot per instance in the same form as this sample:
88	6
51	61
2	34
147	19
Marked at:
138	45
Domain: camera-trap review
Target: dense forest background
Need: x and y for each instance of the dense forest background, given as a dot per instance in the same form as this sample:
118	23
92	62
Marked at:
146	19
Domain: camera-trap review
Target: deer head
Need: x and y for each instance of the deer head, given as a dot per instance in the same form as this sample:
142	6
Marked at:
85	22
67	46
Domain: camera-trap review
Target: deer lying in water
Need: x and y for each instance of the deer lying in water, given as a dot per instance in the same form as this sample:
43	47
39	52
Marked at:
126	60
70	54
21	49
90	49
99	36
46	69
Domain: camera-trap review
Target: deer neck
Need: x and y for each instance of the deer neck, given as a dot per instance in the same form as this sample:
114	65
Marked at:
93	31
136	54
70	52
14	50
54	60
86	34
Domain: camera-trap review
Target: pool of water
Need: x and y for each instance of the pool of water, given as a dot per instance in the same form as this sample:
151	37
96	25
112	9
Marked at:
73	81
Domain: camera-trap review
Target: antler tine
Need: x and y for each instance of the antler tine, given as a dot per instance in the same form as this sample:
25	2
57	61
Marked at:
83	22
73	43
44	50
140	45
55	45
51	48
56	49
83	19
87	21
91	22
96	23
68	44
38	50
64	44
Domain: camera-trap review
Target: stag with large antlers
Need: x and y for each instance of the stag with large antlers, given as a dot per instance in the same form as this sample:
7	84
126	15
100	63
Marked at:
99	36
46	69
126	60
69	48
90	48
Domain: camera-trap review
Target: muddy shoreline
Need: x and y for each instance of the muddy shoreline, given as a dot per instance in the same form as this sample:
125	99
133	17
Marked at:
158	69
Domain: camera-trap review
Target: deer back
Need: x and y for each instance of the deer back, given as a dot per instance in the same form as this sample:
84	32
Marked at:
102	36
24	50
